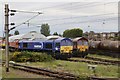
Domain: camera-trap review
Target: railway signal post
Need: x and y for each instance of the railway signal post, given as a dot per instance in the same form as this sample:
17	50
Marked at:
7	36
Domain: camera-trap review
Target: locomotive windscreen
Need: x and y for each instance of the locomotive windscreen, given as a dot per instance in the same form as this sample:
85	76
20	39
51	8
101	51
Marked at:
86	43
66	43
82	42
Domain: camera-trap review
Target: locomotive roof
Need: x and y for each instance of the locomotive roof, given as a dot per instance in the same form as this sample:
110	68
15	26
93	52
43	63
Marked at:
59	39
12	38
31	40
53	37
33	35
48	40
79	38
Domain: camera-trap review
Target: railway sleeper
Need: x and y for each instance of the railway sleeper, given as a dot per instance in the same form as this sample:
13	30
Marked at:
104	60
93	62
43	72
54	72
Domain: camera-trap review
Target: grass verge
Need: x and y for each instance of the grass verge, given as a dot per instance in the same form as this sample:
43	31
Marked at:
103	57
78	68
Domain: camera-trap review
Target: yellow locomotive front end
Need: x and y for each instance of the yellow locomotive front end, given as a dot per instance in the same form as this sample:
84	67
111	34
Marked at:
80	46
66	49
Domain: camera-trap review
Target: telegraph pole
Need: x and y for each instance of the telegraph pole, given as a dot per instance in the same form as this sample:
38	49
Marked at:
7	36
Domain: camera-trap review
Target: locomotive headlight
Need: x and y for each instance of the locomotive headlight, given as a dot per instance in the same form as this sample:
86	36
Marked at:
56	48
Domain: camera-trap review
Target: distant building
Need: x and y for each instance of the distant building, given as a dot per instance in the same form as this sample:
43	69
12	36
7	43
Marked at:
114	34
111	35
104	35
101	36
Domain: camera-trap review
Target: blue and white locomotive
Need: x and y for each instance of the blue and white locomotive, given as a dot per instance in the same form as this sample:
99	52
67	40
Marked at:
60	47
30	45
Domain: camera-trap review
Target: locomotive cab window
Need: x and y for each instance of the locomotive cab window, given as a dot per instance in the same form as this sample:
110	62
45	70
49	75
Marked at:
66	43
25	45
57	45
48	45
80	42
85	43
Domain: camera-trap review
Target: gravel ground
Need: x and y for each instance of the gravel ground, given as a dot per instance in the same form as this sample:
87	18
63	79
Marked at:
21	74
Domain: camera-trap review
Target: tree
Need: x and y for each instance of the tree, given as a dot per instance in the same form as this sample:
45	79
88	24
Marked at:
45	29
55	33
59	35
73	33
16	32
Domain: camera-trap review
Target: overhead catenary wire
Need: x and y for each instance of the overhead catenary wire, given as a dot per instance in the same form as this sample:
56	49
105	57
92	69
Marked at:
86	6
66	17
77	8
108	19
78	17
45	8
61	5
55	6
89	4
95	20
25	21
84	16
97	15
34	26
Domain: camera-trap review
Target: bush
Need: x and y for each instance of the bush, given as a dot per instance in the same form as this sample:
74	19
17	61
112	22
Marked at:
26	56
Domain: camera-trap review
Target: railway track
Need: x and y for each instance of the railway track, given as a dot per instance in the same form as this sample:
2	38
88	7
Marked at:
1	62
97	78
104	60
92	61
46	72
59	75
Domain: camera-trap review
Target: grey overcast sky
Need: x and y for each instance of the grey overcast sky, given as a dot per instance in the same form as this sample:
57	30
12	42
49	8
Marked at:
99	16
